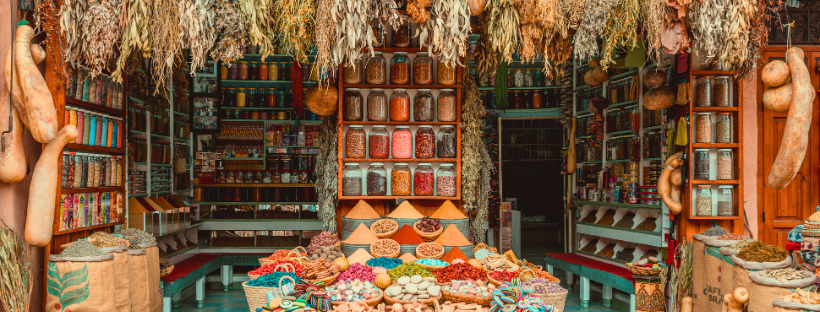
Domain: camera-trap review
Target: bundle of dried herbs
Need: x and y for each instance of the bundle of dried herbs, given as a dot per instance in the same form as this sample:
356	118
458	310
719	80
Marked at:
327	175
294	23
592	25
539	20
99	33
680	282
196	21
135	34
761	252
446	33
259	24
231	28
558	51
165	31
325	35
655	13
502	26
566	98
15	271
386	12
709	24
621	30
765	11
47	21
735	52
573	12
71	18
352	19
486	58
475	163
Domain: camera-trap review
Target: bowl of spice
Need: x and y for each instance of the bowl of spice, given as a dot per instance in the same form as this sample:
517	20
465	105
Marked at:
432	265
430	250
361	238
428	228
385	248
384	228
500	276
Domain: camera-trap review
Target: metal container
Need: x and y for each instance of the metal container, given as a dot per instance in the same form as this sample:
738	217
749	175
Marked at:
407	248
463	225
349	249
350	225
402	221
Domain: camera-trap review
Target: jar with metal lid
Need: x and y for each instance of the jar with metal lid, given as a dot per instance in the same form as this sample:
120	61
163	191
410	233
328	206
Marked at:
353	105
220	177
257	176
446	74
446	108
376	69
352	180
536	99
376	180
423	106
263	71
273	71
401	36
400	69
446	142
253	70
725	165
233	71
377	105
721	87
355	142
352	73
243	70
703	201
528	77
723	128
701	171
400	180
703	128
402	142
519	78
240	97
423	180
287	177
277	176
725	201
422	69
250	98
284	71
446	181
399	105
270	97
514	100
378	32
425	142
379	142
703	91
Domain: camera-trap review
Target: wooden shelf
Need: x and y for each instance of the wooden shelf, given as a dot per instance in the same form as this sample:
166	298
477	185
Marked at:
256	185
715	109
714	145
712	73
619	205
253	203
393	87
243	158
395	197
400	123
622	132
396	160
621	104
99	108
394	50
92	189
257	108
715	182
99	149
714	218
87	228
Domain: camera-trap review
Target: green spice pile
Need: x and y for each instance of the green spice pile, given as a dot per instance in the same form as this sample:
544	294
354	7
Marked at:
591	247
715	231
760	252
740	245
136	237
408	269
784	275
81	248
104	240
627	220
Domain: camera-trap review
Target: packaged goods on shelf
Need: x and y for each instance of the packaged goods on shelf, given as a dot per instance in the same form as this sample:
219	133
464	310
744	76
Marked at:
79	210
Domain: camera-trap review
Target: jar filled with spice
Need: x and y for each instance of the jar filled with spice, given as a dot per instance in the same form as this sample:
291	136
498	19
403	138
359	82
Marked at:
273	71
703	203
400	180
353	105
446	109
425	142
446	142
446	181
423	180
233	71
375	70
446	74
725	165
701	164
240	97
376	180
377	105
703	125
243	70
725	201
352	180
720	88
536	99
703	91
355	141
399	105
270	97
423	106
723	128
402	142
253	70
379	142
284	71
401	36
378	33
422	69
263	71
400	69
229	177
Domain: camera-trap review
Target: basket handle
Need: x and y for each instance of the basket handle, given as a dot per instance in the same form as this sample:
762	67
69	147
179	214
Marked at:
524	271
281	279
286	266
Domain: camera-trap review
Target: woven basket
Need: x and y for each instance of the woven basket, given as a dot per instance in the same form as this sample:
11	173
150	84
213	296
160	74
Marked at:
438	256
298	258
257	296
265	261
253	277
456	297
388	234
643	271
558	300
484	246
428	302
164	272
372	302
327	280
428	237
393	255
493	281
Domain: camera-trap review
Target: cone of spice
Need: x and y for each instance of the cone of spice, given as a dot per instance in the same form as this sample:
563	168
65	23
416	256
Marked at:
448	211
453	254
408	257
360	256
452	237
407	236
361	236
405	211
362	210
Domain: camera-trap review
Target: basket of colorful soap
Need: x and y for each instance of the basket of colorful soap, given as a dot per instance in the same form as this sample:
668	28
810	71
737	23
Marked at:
354	291
409	289
432	265
647	267
468	291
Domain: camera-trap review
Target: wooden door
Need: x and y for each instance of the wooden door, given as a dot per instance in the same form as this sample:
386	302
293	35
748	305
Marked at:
781	210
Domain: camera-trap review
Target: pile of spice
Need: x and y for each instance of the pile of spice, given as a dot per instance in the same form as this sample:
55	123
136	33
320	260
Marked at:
323	239
784	275
384	226
591	247
328	253
647	225
272	279
454	254
760	252
591	217
104	240
626	254
361	236
385	247
460	271
627	221
428	225
360	256
731	236
408	257
81	248
448	211
136	237
407	236
803	297
452	237
181	243
405	211
362	211
608	251
543	286
503	275
408	269
740	245
432	262
384	262
430	250
715	231
608	218
357	271
650	253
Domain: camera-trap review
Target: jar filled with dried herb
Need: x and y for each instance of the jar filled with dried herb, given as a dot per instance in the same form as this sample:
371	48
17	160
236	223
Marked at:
423	180
401	36
400	69
703	128
446	74
375	70
701	164
400	181
723	128
423	106
725	165
422	69
376	180
703	91
720	88
446	142
379	142
399	105
724	200
355	142
446	109
425	142
446	181
703	203
519	77
377	105
353	105
243	70
352	74
352	180
273	71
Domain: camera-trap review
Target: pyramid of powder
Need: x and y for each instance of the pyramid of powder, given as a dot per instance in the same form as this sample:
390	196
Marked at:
405	211
360	256
452	237
362	211
448	211
453	254
408	257
361	236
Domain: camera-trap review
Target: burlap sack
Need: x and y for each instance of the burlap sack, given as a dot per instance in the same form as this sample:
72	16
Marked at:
154	297
138	280
699	300
122	296
743	268
80	284
786	306
764	290
712	287
727	274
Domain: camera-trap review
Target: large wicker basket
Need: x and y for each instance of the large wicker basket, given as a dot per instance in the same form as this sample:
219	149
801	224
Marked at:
429	237
494	281
456	297
643	271
558	300
164	272
428	302
388	234
438	256
327	280
372	302
393	255
436	307
257	296
431	268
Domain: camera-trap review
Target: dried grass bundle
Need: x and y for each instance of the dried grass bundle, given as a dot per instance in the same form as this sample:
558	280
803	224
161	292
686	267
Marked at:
655	15
135	34
327	175
709	24
351	18
196	21
232	30
538	19
592	25
47	21
503	27
71	17
445	33
259	24
15	272
558	51
165	33
486	57
735	52
295	25
681	280
100	33
573	12
766	10
621	30
476	164
386	12
325	35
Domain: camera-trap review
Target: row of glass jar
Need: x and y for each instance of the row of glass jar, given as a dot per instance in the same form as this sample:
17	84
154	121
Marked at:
81	170
100	90
229	114
257	97
403	181
424	104
428	143
273	71
703	201
375	71
725	165
95	129
722	128
266	176
713	91
516	78
527	99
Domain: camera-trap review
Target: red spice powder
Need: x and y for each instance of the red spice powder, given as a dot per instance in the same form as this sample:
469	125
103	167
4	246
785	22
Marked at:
453	254
407	236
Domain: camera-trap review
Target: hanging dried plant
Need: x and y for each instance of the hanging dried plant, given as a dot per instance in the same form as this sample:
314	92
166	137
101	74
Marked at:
573	12
486	58
100	32
709	24
325	35
233	37
766	10
136	34
259	24
15	271
592	25
538	19
71	17
558	51
165	32
327	175
47	21
655	14
621	30
196	21
475	162
417	10
566	96
386	12
353	31
734	52
445	33
295	24
503	27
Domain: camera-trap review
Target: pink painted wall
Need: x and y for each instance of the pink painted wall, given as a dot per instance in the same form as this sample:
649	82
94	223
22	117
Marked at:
14	197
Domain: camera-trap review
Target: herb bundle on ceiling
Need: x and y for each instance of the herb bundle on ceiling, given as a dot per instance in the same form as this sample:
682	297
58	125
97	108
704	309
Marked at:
232	33
71	18
766	10
621	30
503	28
538	20
709	23
354	32
47	21
573	12
327	174
592	25
165	31
294	23
136	34
445	33
558	51
259	25
386	12
655	16
475	163
198	32
325	36
100	31
486	58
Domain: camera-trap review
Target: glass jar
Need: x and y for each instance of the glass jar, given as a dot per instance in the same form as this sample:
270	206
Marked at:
263	71
250	98
353	105
725	165
538	78
528	77
446	145
723	128
240	97
243	70
510	77
399	105
268	178
703	91
446	181
377	105
375	70
725	200
253	70
355	141
376	180
425	142
422	69
286	176
400	69
229	178
423	180
400	184
270	97
701	165
536	99
378	32
446	74
352	180
519	78
352	74
379	142
703	125
446	108
401	36
240	177
257	176
720	89
515	100
273	71
703	203
223	72
423	106
284	71
402	142
280	99
233	71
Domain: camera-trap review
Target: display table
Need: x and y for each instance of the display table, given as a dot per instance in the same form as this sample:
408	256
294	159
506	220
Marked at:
609	275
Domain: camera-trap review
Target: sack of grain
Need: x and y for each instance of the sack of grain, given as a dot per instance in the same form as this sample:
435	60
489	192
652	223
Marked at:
727	274
764	289
122	293
138	280
699	301
787	306
712	287
742	269
152	258
80	284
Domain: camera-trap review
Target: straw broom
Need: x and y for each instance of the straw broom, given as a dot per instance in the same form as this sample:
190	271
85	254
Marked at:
15	271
